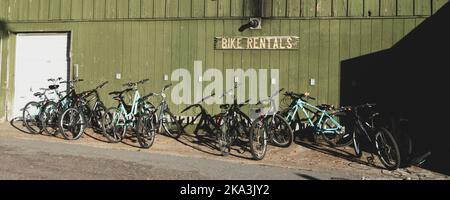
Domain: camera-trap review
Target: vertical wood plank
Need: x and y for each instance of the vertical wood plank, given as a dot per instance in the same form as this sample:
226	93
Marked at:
366	36
303	72
267	8
135	9
185	8
334	64
147	9
77	9
387	33
355	35
33	10
308	8
99	9
13	6
388	8
279	8
437	4
324	59
405	7
314	36
88	9
422	7
324	8
224	8
218	56
211	8
355	8
376	35
293	8
23	9
55	9
284	58
340	8
171	8
372	6
43	9
66	7
398	31
198	8
237	8
293	58
122	9
159	8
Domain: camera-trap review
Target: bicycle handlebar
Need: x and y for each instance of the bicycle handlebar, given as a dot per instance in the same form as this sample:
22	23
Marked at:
73	81
132	84
299	96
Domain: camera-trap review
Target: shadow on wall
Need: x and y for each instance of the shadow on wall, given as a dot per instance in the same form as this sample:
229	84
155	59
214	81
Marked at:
3	29
410	80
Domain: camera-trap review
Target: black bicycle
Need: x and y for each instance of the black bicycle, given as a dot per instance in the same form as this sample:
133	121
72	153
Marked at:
52	110
235	124
32	110
74	120
370	124
207	123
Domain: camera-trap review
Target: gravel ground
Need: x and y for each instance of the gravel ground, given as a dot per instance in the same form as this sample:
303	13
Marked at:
186	158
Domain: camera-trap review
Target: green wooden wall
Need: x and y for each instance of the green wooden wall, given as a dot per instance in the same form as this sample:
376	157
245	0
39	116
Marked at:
103	45
43	10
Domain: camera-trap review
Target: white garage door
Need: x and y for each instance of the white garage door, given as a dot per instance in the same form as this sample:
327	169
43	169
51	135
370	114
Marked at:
38	57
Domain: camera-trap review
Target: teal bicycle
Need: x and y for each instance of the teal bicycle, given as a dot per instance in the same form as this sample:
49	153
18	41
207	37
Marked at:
321	119
117	120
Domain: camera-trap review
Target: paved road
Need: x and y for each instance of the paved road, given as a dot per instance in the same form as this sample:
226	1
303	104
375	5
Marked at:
34	159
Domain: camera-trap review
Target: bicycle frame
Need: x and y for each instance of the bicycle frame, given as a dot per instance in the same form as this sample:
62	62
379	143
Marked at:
129	117
300	104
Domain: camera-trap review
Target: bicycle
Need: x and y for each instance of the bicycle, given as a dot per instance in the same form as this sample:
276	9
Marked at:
52	110
165	120
234	123
90	117
117	120
371	125
270	126
320	121
33	109
207	123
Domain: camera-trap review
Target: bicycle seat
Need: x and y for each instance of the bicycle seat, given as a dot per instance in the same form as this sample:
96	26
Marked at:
38	94
53	87
224	106
325	107
119	93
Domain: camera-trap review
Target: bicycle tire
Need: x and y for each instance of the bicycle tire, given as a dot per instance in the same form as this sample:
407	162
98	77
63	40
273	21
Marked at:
382	138
31	117
49	118
288	136
145	132
225	139
338	139
111	132
258	143
72	124
170	132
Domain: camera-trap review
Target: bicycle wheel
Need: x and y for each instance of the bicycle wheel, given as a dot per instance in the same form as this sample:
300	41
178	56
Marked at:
114	126
96	119
30	116
387	149
224	140
356	143
72	124
171	125
258	138
146	131
280	130
49	118
338	138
